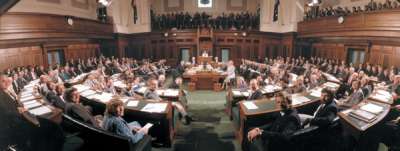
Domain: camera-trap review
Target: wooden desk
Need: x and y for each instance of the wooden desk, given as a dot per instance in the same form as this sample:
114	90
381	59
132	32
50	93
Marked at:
232	99
163	95
163	122
201	59
164	126
265	113
358	127
204	80
32	101
268	107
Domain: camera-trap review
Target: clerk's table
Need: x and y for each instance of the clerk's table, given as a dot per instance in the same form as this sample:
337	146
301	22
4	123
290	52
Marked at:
204	77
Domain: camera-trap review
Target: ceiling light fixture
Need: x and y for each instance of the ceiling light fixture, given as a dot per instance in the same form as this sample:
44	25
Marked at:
105	3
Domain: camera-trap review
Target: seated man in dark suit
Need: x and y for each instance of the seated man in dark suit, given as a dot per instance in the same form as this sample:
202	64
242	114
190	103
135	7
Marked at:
278	133
255	94
389	132
23	130
325	113
16	86
255	90
76	110
324	117
57	99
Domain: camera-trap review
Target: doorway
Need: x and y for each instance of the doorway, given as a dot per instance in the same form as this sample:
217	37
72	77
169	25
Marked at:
224	55
355	55
55	56
185	54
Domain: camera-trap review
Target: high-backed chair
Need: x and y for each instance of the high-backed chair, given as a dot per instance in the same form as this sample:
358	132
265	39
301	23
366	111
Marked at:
96	138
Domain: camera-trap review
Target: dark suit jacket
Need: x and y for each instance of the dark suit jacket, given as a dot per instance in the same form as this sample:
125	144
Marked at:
279	132
283	126
79	112
255	95
21	82
325	115
56	100
31	76
14	129
16	87
174	86
40	72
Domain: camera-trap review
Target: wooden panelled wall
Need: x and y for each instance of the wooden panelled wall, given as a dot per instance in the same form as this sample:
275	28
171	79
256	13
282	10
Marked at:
254	46
382	54
35	55
378	33
25	38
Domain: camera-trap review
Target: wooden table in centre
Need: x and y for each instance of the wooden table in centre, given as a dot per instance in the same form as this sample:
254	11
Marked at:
204	80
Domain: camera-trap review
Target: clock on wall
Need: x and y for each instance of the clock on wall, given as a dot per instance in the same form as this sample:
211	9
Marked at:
341	20
205	2
70	21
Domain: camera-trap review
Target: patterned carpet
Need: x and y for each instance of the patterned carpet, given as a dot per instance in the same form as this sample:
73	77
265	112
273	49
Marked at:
212	131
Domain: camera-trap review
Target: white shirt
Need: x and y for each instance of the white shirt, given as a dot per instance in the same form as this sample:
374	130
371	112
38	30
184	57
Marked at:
230	72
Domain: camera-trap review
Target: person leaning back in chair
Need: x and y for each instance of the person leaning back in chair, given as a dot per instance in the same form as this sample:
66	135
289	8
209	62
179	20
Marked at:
113	122
275	136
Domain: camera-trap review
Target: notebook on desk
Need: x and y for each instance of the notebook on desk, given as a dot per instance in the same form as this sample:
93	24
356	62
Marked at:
363	115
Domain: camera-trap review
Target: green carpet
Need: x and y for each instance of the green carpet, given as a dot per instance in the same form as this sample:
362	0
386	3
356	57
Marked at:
212	131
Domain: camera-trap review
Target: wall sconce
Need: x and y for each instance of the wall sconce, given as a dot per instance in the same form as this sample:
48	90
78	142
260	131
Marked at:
166	34
174	34
235	34
244	34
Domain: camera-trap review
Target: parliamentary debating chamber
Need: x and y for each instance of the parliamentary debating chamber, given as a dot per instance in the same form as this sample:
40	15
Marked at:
199	75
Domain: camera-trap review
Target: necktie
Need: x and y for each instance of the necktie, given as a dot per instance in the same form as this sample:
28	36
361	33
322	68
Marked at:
319	108
12	94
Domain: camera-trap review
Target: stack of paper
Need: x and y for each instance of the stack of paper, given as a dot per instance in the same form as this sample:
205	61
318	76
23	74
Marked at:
246	93
133	103
236	93
124	99
331	84
160	92
27	98
40	110
31	104
142	90
103	97
26	94
171	92
120	84
316	93
155	107
299	99
381	97
331	77
383	92
269	88
81	87
363	115
87	93
250	105
372	108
